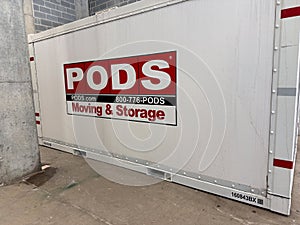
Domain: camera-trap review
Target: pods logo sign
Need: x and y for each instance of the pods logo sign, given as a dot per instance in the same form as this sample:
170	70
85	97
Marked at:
137	88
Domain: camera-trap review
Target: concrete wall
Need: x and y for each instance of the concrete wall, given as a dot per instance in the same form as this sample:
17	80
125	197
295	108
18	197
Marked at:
81	8
28	16
98	5
19	153
53	13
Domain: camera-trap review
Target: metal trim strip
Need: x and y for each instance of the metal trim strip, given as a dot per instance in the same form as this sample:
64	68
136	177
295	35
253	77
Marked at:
286	91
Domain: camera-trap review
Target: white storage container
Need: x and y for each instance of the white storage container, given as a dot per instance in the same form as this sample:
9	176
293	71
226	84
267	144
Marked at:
199	92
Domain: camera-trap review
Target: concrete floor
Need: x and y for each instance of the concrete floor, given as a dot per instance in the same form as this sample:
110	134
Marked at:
70	192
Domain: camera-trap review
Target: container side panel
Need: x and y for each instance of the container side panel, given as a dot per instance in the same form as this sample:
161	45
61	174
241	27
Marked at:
224	56
290	29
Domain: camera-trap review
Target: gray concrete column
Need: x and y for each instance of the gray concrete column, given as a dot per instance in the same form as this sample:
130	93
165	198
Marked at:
28	16
19	153
82	9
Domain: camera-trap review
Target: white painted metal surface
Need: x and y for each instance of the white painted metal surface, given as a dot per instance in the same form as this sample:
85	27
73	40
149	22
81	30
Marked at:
236	94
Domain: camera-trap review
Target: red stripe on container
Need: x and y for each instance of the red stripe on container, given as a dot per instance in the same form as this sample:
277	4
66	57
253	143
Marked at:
283	163
38	122
291	12
37	114
31	58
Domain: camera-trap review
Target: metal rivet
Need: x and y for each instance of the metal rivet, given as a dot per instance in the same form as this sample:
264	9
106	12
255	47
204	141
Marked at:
269	189
270	171
233	186
276	48
199	177
216	181
273	91
184	173
271	152
273	112
272	132
252	190
277	26
274	70
278	2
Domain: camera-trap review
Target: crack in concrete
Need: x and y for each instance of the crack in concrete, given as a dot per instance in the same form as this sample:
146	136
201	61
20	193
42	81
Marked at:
83	210
97	218
242	221
14	82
